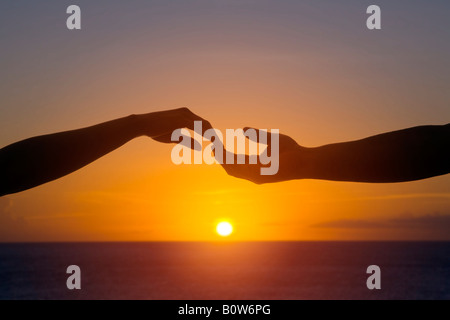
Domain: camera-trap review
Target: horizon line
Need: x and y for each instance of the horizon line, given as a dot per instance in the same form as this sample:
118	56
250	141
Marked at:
221	241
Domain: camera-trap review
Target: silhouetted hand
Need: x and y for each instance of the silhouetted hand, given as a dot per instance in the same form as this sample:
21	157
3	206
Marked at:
404	155
37	160
160	125
290	161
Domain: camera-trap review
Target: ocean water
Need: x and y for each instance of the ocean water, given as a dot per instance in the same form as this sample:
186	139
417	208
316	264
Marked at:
241	270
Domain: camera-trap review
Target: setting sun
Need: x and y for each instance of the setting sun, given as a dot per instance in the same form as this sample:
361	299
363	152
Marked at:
224	229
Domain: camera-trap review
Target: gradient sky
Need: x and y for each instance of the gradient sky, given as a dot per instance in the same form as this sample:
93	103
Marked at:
310	68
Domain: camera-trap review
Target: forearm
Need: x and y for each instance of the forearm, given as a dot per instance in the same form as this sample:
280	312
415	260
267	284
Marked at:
405	155
37	160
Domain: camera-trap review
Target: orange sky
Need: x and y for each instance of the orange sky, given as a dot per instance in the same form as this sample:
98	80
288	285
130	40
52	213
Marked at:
315	73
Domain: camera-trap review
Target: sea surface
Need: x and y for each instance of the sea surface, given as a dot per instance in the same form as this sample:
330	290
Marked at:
237	270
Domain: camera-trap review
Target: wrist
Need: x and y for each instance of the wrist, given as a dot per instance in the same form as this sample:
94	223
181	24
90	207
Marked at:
305	163
139	124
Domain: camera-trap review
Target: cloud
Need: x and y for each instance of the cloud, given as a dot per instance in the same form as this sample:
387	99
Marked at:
9	221
429	221
438	221
349	224
445	196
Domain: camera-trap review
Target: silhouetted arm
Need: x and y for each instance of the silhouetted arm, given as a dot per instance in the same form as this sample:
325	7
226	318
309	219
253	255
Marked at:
405	155
32	162
398	156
